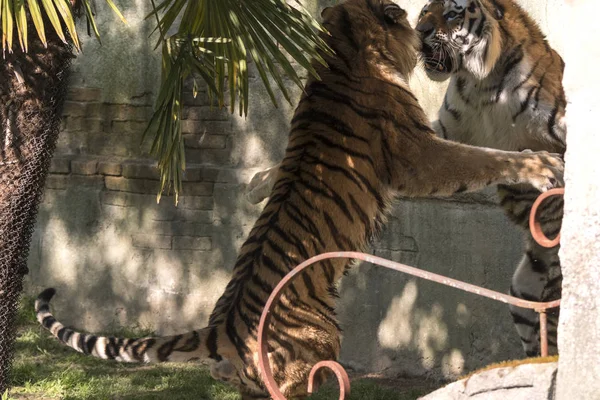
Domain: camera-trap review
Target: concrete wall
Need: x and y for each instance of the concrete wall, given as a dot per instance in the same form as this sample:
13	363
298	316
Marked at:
579	339
117	258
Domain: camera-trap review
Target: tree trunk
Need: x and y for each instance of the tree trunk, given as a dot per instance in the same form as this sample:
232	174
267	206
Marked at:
32	92
579	326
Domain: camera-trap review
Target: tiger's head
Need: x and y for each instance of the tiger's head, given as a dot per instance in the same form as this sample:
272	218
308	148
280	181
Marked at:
460	34
367	34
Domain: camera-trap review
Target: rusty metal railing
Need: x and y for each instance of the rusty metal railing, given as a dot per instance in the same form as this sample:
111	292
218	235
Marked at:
339	371
534	226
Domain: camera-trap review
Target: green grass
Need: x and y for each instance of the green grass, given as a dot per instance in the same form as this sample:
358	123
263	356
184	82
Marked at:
45	369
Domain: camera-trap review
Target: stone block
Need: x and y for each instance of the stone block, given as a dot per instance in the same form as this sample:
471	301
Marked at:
74	109
192	173
196	202
60	165
128	112
197	188
209	127
221	175
180	228
84	167
206	113
129	126
86	94
209	156
78	124
199	216
201	99
125	199
107	167
83	109
57	181
205	141
149	241
132	185
140	170
192	243
77	181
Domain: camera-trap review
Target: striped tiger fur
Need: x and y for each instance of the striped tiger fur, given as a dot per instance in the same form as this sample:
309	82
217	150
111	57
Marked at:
358	138
505	92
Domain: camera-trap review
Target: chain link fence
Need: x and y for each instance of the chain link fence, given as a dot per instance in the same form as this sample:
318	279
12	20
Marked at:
32	92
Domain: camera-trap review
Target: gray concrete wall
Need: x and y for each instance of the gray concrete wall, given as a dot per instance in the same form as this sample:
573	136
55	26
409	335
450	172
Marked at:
579	339
117	258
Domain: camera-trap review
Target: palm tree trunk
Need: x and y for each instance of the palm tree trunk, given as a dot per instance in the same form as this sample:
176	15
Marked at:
32	92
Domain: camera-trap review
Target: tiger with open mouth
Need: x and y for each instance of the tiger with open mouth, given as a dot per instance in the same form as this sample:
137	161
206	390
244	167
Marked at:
505	92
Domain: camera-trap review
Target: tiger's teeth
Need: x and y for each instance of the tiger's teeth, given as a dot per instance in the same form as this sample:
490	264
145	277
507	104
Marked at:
440	67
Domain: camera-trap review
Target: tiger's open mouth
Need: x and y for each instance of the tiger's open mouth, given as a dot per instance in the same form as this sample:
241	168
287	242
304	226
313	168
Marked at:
436	60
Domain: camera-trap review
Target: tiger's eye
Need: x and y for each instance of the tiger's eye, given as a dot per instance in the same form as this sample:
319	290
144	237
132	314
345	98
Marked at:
451	15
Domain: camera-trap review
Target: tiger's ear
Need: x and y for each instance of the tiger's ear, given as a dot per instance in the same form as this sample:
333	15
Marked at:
498	10
393	13
325	13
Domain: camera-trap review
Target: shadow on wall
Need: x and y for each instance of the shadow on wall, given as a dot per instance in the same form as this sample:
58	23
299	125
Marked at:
119	259
416	327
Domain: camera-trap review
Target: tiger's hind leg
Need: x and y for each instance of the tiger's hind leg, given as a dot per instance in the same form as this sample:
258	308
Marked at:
537	278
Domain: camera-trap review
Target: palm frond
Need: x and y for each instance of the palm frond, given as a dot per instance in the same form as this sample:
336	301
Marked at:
60	13
214	40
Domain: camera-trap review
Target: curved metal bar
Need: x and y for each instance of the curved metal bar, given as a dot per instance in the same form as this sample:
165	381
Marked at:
340	373
534	225
265	318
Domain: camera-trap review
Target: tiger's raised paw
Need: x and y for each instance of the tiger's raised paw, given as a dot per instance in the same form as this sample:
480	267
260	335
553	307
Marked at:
545	170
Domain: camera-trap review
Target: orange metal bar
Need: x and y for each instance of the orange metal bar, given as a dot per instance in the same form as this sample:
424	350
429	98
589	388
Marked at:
342	377
274	297
534	226
543	333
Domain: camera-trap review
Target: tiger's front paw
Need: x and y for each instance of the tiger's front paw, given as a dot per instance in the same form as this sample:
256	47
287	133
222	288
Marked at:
261	184
548	171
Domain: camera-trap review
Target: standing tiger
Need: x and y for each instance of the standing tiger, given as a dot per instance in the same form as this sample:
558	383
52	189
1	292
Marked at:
505	92
358	138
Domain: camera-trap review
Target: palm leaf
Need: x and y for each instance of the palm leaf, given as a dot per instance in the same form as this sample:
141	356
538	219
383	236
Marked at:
116	10
7	25
269	32
38	22
21	20
90	18
53	17
60	13
65	11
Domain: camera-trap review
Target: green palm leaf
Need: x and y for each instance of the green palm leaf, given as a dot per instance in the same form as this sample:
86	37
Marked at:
21	20
60	13
214	41
269	32
7	25
38	22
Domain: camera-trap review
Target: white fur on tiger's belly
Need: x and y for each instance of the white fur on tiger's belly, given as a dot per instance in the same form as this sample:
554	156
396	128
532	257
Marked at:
486	118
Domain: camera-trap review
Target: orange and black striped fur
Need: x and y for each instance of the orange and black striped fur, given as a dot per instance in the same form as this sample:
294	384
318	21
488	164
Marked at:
505	92
358	138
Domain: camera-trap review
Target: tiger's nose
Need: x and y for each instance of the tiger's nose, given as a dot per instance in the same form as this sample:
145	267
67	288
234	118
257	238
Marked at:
425	28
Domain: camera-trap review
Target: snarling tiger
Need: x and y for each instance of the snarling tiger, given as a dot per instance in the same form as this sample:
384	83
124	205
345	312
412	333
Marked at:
358	138
505	92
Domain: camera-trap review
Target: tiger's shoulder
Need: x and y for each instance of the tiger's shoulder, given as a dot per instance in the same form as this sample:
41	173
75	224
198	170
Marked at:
505	87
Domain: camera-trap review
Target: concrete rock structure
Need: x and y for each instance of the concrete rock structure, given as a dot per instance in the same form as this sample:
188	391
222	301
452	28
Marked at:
523	382
118	258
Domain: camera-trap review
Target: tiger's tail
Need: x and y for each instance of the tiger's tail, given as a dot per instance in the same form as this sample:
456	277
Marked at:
189	346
